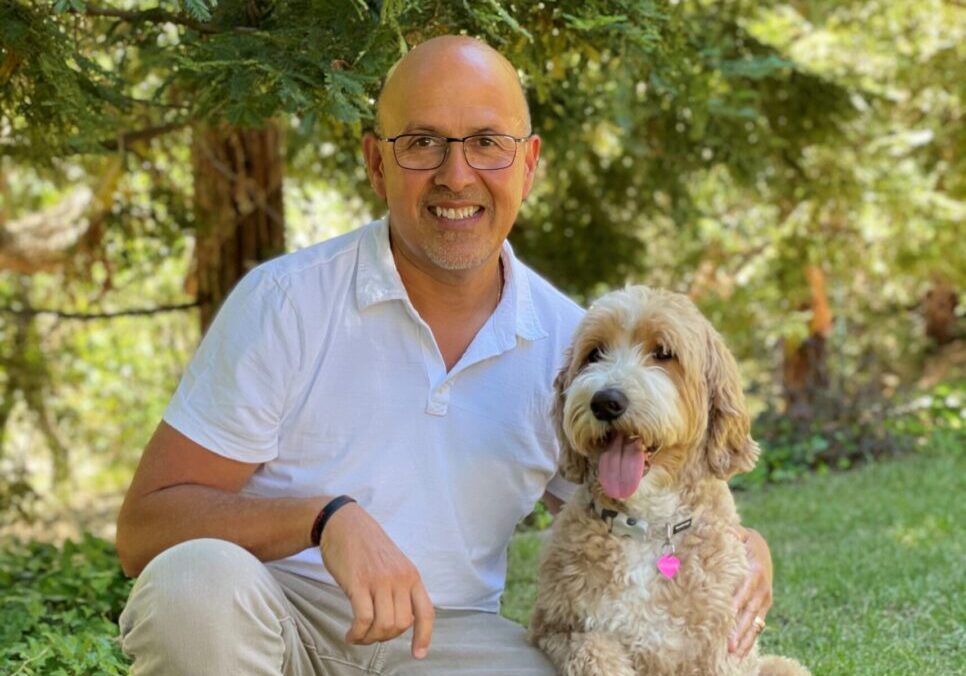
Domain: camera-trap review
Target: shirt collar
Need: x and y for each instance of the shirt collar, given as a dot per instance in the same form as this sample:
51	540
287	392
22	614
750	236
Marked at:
377	281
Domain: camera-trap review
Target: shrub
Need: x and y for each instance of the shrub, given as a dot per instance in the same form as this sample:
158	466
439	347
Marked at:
856	428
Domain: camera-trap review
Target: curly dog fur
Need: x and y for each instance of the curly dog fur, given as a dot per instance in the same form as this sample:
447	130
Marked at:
649	390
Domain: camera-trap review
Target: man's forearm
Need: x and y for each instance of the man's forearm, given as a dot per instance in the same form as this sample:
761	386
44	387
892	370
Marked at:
270	528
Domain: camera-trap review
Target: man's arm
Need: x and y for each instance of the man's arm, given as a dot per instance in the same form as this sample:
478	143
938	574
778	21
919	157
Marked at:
182	491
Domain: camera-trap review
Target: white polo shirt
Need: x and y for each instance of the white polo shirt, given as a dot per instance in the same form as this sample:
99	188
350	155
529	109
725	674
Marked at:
318	367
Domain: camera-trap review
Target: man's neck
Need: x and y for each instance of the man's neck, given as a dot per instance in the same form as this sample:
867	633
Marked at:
455	304
457	293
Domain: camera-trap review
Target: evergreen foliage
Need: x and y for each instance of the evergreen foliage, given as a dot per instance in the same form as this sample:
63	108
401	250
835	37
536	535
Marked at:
631	97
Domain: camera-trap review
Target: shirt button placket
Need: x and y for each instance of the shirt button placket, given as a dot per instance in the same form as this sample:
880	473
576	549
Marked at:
439	400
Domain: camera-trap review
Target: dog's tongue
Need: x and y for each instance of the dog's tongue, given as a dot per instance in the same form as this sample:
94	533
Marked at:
621	466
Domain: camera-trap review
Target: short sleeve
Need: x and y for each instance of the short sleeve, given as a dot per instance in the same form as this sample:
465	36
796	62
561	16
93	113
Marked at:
561	488
233	394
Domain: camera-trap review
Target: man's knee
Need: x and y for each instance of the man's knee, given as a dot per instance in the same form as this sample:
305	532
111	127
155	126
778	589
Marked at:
194	585
206	607
204	573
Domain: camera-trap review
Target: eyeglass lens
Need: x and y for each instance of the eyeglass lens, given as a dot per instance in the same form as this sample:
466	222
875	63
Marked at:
484	151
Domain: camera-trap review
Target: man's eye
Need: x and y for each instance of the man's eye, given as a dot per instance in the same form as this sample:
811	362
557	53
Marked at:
661	353
424	142
410	143
593	356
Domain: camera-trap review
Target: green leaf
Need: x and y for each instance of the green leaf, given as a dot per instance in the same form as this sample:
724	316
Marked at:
199	10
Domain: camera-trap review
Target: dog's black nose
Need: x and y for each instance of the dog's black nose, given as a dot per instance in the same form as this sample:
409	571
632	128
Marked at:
608	404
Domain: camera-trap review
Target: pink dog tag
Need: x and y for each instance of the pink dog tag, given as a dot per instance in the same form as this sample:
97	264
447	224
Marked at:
668	565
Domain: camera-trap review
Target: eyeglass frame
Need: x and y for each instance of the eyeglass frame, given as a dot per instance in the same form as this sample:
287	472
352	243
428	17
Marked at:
449	140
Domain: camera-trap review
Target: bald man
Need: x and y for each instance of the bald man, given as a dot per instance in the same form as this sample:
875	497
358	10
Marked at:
334	484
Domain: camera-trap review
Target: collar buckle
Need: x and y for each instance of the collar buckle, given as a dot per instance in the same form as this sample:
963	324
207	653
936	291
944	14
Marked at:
620	523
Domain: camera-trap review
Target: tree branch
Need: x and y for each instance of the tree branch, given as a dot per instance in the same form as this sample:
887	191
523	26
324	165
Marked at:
129	137
156	15
88	316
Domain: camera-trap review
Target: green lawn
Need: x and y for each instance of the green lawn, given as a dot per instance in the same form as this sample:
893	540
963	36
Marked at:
869	566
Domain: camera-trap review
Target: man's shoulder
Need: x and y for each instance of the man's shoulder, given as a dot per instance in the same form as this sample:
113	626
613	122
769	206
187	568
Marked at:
329	255
558	313
308	279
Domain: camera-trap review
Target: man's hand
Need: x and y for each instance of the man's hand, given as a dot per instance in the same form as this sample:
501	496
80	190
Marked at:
754	597
383	586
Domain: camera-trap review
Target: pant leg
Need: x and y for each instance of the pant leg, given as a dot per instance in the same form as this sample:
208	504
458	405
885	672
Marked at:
468	643
209	607
324	615
464	643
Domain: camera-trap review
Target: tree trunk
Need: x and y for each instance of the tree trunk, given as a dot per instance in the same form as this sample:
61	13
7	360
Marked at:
805	372
238	208
939	310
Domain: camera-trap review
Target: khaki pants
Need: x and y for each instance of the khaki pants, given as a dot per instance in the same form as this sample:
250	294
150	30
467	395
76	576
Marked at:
208	607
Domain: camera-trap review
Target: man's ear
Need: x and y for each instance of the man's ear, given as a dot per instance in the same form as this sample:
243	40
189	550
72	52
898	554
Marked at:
375	167
573	465
729	447
531	159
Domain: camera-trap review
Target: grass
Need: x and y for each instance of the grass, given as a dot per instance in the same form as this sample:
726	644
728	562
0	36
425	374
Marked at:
869	566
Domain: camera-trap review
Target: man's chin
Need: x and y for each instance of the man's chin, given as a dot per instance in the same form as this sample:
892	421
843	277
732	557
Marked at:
455	261
461	253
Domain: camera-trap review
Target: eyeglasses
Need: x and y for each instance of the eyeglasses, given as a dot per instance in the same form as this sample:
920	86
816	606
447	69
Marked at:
485	152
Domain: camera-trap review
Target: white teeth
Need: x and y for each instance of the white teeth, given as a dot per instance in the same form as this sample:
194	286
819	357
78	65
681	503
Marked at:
455	214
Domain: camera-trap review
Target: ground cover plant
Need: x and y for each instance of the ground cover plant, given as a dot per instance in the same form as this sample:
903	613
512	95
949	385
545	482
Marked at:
867	563
59	608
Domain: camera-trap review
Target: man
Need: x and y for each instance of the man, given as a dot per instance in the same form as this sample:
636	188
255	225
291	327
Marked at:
408	365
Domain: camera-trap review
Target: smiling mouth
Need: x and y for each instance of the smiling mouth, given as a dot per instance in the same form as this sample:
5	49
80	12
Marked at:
456	214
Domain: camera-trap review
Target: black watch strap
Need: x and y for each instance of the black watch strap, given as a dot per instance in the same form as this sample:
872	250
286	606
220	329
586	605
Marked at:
323	517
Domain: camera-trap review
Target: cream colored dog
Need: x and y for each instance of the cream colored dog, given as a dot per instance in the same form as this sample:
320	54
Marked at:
643	563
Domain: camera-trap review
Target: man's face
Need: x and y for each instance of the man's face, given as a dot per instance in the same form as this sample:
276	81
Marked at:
454	217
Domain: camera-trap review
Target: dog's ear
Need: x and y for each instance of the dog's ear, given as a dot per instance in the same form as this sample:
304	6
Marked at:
573	465
728	446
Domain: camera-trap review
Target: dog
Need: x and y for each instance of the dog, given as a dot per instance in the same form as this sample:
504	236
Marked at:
640	570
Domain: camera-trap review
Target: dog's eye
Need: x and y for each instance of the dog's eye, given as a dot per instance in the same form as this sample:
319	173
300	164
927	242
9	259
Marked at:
593	356
661	353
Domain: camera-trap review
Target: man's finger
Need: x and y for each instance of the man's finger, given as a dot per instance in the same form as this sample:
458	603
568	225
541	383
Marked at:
362	616
425	614
741	627
747	640
743	595
403	602
384	618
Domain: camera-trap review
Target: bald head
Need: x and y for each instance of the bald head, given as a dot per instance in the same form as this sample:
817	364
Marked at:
450	56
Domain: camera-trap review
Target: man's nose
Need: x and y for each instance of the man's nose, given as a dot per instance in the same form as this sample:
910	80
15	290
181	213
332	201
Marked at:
454	172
